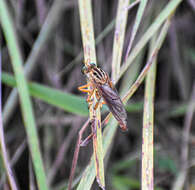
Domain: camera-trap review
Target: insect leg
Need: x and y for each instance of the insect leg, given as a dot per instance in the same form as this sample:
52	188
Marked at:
83	88
90	94
98	96
103	102
76	154
98	99
85	142
90	91
110	83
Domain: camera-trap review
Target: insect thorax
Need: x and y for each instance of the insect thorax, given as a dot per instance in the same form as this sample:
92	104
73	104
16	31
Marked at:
99	76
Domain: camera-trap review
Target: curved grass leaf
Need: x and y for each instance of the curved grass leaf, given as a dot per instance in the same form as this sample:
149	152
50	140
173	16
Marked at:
164	14
66	101
25	101
119	35
136	25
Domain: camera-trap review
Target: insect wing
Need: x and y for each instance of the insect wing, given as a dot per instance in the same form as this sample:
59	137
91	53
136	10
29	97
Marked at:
114	103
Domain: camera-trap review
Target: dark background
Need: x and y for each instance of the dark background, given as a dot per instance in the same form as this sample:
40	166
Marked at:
55	66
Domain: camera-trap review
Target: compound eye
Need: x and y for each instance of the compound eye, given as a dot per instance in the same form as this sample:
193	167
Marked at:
84	70
92	65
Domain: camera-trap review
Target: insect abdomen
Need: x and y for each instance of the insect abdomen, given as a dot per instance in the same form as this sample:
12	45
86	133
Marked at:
114	104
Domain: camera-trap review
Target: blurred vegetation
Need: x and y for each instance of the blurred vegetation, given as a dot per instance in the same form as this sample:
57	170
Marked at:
49	43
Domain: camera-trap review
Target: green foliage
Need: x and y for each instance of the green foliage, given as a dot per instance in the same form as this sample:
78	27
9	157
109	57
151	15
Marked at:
63	100
125	183
166	164
25	102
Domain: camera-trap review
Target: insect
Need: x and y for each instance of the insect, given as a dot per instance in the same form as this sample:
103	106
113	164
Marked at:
102	86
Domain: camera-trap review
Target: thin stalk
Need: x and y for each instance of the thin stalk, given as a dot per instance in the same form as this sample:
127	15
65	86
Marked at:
155	50
86	21
49	24
108	134
76	154
121	21
3	150
148	127
26	106
165	13
138	18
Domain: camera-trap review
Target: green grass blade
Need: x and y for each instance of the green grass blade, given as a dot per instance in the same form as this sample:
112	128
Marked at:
133	71
165	13
121	20
138	18
156	48
26	106
69	102
46	30
148	127
87	31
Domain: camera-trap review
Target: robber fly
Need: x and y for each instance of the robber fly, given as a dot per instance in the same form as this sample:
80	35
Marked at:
102	86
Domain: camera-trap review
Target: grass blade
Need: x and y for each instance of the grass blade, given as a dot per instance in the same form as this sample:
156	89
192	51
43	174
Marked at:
3	151
49	24
26	106
148	128
86	21
138	18
108	134
165	13
89	173
142	75
121	20
69	102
